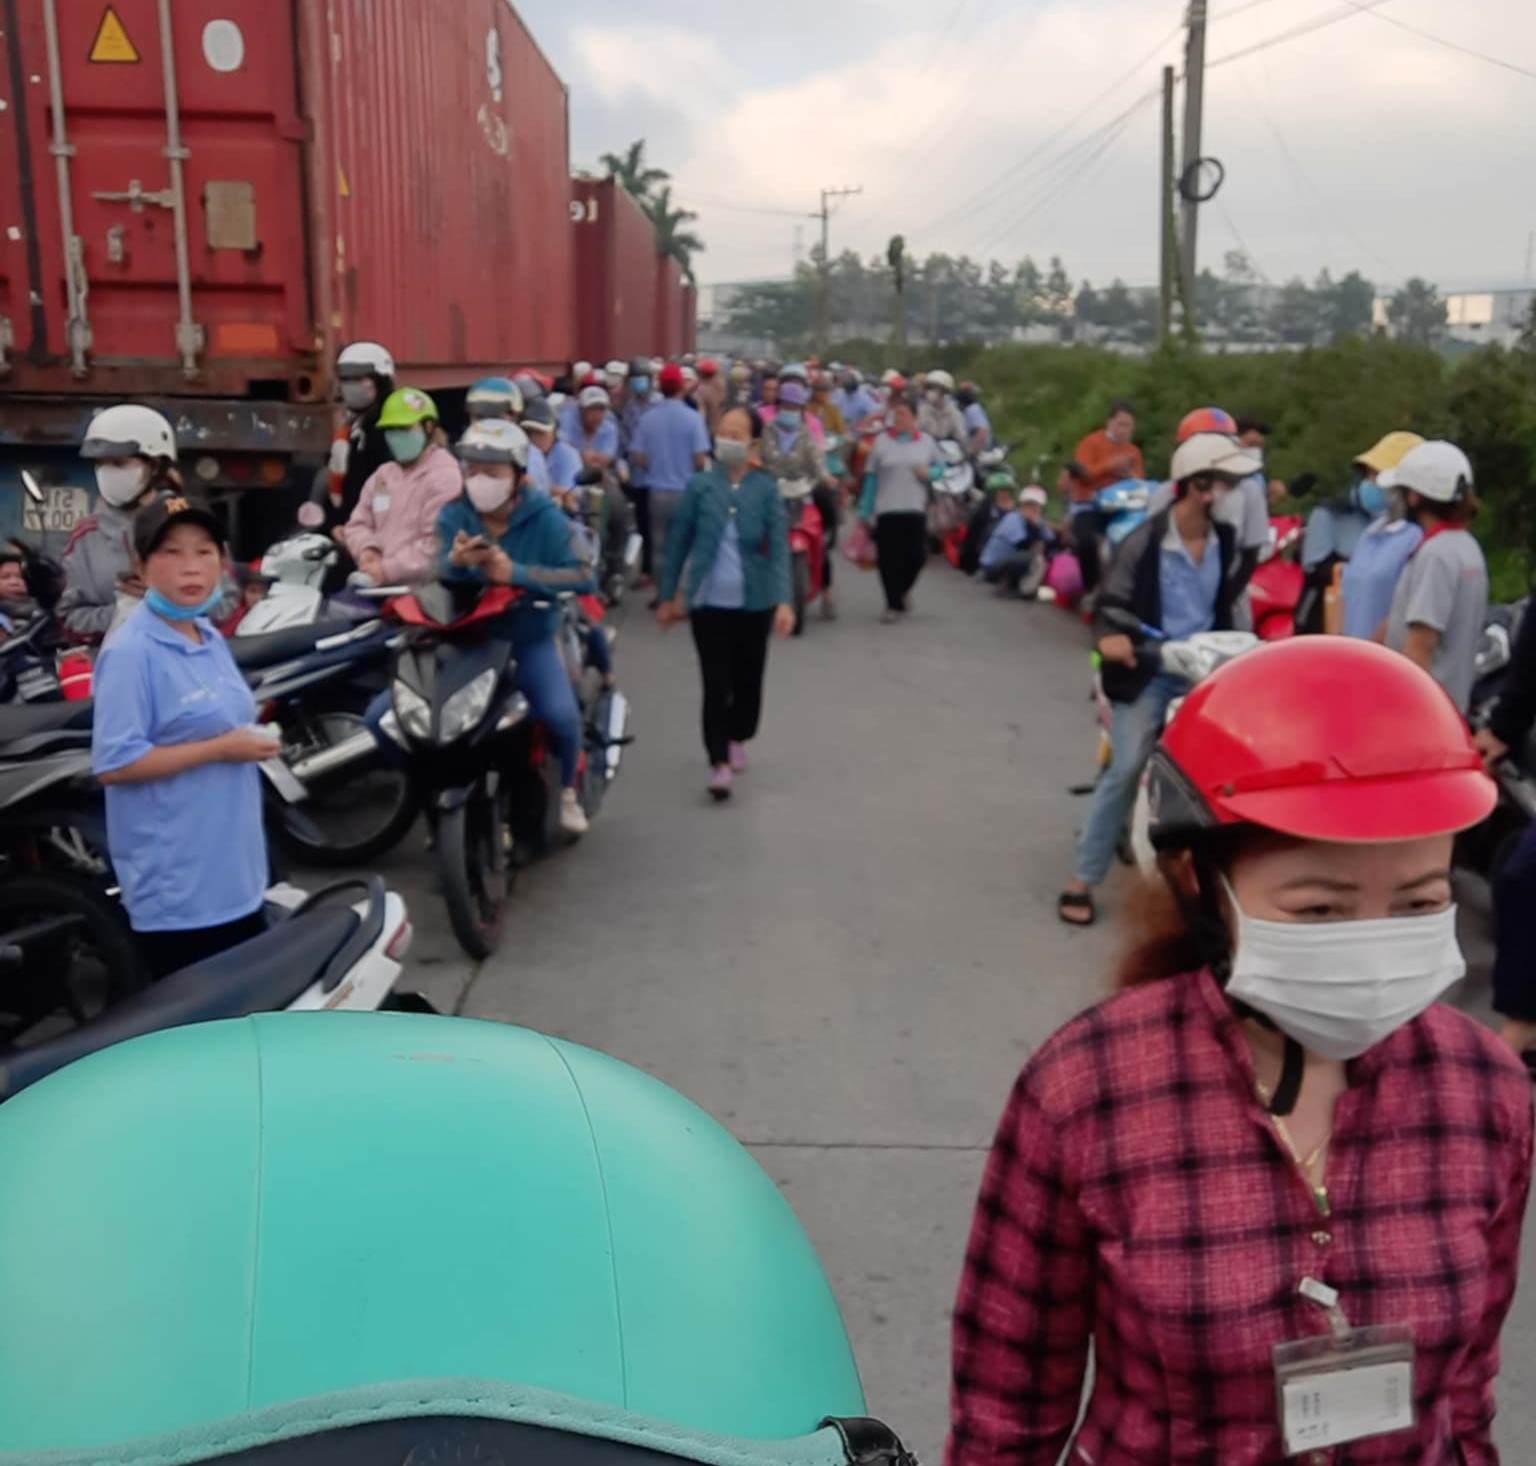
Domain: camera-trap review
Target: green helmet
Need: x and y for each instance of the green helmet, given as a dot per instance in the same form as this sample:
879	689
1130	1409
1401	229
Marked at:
274	1229
1001	478
405	407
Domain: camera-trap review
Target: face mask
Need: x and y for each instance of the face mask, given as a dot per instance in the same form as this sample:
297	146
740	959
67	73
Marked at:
640	385
731	452
121	483
163	605
487	492
359	396
406	445
934	395
1373	498
1339	987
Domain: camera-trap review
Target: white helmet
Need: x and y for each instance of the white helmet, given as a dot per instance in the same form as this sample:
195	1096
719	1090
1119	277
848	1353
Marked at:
616	370
129	431
580	370
494	440
890	377
941	379
364	359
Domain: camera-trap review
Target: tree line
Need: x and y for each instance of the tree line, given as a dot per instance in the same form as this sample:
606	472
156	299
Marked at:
946	299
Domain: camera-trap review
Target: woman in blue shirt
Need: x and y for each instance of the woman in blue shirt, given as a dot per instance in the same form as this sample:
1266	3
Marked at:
505	531
175	745
732	533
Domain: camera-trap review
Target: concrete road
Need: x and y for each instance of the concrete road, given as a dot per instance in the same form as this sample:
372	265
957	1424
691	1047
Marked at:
849	962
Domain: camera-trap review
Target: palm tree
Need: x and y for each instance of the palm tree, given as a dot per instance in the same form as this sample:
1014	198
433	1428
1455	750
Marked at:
630	169
672	236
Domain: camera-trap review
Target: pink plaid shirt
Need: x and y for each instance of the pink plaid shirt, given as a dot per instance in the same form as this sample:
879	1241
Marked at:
1138	1199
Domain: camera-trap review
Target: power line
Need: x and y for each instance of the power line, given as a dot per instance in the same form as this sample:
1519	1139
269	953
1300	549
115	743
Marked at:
1450	45
751	208
1357	7
945	35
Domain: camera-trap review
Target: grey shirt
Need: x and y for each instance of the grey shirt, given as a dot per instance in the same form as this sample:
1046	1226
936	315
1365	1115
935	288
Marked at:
100	553
900	467
942	421
1445	586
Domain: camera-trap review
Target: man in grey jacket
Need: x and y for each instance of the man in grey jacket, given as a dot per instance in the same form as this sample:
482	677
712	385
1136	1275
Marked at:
938	414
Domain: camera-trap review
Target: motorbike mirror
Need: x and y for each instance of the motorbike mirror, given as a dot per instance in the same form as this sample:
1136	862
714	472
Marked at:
311	515
31	485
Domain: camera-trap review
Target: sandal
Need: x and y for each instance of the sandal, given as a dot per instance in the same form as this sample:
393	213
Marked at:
1075	908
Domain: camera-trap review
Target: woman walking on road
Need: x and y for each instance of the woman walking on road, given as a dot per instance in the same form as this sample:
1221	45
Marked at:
1274	1186
898	479
732	535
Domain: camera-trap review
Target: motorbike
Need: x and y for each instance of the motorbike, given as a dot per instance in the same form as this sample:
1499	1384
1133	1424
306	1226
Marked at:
479	761
1122	505
954	491
807	547
339	949
1275	589
606	523
1486	848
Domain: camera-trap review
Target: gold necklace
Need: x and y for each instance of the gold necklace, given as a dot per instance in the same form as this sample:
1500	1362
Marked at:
1307	1164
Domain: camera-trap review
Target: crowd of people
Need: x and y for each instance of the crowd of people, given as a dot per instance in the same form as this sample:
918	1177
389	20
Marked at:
1271	1162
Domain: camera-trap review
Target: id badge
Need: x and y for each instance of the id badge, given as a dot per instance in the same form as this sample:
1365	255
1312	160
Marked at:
1344	1386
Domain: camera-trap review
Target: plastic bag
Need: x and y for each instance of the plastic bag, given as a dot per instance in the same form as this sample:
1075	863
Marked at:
859	546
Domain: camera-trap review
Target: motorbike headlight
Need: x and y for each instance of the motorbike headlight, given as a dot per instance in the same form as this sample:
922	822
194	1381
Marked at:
413	710
467	706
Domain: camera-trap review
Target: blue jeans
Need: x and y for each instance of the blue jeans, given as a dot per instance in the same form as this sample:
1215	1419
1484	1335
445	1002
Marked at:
1134	730
542	679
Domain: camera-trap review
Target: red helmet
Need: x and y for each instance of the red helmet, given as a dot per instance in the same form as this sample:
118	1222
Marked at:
1206	420
708	366
1325	738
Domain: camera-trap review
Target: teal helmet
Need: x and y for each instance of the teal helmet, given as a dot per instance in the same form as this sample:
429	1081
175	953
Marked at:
356	1238
498	397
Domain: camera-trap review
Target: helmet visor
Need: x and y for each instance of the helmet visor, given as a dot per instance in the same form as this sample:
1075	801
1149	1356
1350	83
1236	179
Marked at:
108	448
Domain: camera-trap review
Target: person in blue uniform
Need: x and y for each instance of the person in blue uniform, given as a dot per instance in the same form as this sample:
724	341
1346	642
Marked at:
176	744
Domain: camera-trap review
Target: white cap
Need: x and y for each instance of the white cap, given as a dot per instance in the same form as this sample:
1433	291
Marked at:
594	397
1438	470
1034	494
616	370
1216	453
941	379
581	369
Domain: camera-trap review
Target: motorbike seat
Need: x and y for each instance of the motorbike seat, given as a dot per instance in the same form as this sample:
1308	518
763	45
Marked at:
261	975
28	720
285	645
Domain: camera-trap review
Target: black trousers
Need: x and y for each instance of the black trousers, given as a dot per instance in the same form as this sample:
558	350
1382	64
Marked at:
1514	910
733	655
640	502
825	500
1021	572
168	952
901	541
1087	538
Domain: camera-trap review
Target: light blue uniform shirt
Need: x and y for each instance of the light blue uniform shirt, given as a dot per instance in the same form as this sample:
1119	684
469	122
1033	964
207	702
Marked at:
976	417
568	424
725	587
1189	591
561	466
669	435
538	468
604	440
855	406
1372	573
189	851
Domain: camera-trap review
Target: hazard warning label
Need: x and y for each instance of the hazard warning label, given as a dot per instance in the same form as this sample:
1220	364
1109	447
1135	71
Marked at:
112	43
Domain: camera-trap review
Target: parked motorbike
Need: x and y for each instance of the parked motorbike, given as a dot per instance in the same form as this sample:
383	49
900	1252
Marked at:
807	547
478	760
1486	848
1123	505
1275	589
340	949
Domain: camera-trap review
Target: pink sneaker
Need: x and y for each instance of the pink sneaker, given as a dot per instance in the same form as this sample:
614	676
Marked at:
738	758
720	783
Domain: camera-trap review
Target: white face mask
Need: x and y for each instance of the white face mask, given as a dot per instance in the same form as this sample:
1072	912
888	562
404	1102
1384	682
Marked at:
359	395
121	483
487	492
1339	987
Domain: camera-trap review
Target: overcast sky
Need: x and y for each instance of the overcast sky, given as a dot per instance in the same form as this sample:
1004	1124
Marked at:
1358	145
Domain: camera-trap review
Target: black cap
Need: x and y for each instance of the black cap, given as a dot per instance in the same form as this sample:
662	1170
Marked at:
155	519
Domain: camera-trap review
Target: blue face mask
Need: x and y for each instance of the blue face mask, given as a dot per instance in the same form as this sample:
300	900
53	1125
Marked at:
174	611
1373	498
406	445
640	385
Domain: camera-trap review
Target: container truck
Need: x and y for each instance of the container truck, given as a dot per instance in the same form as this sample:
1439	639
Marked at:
201	201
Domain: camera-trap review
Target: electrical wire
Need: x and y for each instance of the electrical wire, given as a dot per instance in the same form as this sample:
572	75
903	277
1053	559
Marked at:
751	208
946	34
1355	7
1450	45
1242	244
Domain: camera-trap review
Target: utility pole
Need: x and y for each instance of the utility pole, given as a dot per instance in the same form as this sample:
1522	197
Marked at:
824	265
1194	111
1168	245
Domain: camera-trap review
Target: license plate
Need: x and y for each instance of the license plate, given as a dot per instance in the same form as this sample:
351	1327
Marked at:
62	508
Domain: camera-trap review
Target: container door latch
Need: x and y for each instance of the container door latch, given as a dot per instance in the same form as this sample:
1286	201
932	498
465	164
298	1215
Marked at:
136	196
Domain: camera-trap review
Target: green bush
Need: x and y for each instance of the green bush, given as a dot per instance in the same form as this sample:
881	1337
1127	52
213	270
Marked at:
1325	405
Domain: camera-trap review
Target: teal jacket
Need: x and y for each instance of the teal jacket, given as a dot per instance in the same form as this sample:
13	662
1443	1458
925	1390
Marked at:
541	547
762	528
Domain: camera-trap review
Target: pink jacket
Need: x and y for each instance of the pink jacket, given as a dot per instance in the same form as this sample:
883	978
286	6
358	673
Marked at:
397	514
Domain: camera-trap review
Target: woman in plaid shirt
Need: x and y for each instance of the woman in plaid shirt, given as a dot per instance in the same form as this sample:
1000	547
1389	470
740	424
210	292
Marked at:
1276	1097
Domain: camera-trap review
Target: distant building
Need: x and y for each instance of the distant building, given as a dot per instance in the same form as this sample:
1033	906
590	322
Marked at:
1493	317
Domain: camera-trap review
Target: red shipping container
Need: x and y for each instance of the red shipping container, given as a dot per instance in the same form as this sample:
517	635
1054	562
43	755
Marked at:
615	271
690	317
361	168
667	331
